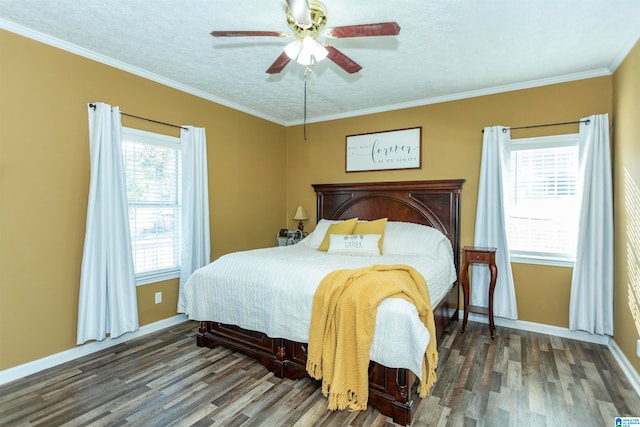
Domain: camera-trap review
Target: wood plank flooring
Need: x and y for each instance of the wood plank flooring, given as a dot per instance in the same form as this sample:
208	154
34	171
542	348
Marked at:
163	379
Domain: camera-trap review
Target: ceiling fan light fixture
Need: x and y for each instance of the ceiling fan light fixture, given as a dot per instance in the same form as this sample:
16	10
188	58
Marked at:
293	49
320	52
310	51
308	45
304	58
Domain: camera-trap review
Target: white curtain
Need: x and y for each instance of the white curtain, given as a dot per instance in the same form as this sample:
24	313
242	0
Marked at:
196	251
107	301
591	303
490	228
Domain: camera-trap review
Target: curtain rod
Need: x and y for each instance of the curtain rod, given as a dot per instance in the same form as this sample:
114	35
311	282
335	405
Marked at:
144	118
504	130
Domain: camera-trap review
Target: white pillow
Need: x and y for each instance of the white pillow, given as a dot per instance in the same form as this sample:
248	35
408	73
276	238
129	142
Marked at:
316	237
407	238
354	244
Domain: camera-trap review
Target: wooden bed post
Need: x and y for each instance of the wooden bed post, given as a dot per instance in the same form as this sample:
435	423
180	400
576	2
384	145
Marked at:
202	330
401	383
282	351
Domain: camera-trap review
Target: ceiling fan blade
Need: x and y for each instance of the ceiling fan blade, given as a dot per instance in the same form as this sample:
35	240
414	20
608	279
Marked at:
279	64
248	34
365	30
300	12
342	60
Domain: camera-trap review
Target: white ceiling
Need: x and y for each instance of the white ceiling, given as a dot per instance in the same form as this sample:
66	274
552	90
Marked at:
446	49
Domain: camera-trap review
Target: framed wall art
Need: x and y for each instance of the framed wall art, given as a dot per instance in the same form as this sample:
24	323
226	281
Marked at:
387	150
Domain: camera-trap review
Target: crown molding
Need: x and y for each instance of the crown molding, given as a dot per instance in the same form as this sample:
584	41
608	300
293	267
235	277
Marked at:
69	47
94	56
631	40
462	95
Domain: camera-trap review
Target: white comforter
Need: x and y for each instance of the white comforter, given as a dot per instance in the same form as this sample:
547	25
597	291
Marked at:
271	290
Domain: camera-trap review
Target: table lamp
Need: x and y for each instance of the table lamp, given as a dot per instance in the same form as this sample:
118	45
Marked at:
300	215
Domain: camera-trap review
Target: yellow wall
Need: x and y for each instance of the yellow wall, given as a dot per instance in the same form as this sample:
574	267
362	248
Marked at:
626	167
44	182
258	173
451	148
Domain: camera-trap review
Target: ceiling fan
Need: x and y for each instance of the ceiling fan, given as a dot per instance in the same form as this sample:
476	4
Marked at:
307	19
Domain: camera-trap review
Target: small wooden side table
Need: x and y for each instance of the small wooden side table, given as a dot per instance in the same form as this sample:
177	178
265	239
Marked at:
479	255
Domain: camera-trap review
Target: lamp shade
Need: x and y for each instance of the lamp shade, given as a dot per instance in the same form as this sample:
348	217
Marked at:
293	49
301	214
320	52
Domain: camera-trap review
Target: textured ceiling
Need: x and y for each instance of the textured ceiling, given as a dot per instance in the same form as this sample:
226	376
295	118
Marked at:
446	49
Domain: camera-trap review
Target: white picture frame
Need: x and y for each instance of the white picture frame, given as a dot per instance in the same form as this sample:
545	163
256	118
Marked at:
387	150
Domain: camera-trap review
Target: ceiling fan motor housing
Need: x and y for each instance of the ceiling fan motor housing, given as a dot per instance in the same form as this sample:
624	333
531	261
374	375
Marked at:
318	19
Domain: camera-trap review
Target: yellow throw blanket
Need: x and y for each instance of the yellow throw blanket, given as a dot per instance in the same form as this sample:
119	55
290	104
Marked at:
342	325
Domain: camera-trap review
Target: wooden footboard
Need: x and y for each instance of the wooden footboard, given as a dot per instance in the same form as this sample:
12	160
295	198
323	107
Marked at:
390	389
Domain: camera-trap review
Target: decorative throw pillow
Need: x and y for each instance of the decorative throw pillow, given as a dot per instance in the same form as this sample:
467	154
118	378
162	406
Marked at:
406	238
354	244
343	227
372	227
314	239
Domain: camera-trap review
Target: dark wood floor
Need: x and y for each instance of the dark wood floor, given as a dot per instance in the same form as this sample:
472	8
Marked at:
519	379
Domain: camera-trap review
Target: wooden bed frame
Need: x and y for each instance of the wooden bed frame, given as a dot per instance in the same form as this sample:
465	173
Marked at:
433	203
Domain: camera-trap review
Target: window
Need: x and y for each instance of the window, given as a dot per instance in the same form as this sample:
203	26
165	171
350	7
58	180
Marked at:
154	194
542	206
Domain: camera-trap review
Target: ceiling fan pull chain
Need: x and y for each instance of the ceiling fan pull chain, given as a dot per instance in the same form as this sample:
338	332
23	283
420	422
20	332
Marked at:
304	126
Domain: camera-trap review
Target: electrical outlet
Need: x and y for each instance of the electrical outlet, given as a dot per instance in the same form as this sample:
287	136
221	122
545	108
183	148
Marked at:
638	348
158	297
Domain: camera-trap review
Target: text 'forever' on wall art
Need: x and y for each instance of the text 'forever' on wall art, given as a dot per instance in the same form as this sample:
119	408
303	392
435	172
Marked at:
393	149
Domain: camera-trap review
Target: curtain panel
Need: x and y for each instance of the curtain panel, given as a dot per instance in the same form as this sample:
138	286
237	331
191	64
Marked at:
591	301
490	228
107	301
196	247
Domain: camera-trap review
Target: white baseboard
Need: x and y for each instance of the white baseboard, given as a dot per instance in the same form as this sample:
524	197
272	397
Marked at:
29	368
540	328
629	371
625	365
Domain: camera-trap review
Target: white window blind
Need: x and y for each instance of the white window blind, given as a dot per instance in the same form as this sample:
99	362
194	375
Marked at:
154	194
542	203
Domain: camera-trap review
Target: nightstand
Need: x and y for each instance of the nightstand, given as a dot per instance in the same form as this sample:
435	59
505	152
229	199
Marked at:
478	255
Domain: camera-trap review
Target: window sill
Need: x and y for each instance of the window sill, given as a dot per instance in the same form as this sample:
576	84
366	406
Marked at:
519	259
157	276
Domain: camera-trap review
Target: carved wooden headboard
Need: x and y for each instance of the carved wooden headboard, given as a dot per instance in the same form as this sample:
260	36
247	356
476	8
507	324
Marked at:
432	203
